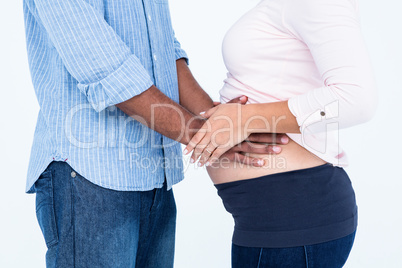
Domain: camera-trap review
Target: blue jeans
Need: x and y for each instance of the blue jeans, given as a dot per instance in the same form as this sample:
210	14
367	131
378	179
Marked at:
85	225
332	254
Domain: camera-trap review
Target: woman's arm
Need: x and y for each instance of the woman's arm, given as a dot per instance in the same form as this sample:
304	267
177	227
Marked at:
230	124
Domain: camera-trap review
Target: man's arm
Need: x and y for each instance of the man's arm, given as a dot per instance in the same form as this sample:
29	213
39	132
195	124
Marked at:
190	90
192	96
158	112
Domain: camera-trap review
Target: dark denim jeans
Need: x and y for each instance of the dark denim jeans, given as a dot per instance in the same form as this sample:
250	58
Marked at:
85	225
332	254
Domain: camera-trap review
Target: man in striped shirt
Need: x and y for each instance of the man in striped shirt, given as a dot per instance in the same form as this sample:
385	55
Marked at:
116	100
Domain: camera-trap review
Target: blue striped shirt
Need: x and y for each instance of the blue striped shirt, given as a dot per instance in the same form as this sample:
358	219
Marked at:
85	56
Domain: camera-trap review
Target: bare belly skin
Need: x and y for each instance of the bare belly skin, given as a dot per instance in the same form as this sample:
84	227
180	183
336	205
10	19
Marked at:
292	157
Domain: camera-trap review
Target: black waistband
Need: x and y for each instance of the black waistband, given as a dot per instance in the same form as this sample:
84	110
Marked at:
292	208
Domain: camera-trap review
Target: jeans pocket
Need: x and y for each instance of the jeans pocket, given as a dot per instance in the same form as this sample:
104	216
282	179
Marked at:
45	208
155	199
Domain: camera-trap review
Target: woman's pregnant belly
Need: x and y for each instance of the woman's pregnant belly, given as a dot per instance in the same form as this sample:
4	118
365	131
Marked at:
292	157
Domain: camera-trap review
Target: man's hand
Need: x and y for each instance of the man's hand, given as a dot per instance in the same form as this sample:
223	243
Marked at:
240	100
258	143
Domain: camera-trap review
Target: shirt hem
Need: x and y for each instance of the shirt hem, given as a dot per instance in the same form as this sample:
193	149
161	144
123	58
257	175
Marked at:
30	188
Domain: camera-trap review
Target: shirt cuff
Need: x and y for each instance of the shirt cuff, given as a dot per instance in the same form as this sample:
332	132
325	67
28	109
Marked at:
129	80
314	110
181	54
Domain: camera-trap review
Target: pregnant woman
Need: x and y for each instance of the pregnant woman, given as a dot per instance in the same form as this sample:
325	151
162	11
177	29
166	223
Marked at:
305	69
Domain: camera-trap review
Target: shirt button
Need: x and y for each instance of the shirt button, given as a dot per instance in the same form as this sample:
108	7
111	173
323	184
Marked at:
322	113
149	17
73	174
155	57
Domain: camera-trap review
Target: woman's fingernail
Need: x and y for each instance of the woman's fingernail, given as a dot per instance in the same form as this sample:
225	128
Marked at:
207	164
285	139
243	98
260	162
191	160
202	113
199	164
276	149
185	151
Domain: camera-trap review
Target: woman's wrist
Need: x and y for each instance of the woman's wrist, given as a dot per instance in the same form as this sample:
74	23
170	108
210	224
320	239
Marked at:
272	117
252	120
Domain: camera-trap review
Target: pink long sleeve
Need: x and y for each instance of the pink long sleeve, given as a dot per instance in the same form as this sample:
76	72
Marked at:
331	31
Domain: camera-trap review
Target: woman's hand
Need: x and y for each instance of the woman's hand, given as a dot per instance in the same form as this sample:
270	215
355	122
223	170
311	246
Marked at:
224	129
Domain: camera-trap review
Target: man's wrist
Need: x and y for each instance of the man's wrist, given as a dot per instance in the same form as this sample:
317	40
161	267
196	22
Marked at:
207	107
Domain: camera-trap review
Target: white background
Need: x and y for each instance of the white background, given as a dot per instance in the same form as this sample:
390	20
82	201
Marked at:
204	228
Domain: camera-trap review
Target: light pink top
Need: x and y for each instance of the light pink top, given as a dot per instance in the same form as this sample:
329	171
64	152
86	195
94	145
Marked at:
312	53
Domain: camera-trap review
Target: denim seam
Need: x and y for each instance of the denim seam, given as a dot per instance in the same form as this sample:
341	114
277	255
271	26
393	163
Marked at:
259	258
54	242
72	216
305	253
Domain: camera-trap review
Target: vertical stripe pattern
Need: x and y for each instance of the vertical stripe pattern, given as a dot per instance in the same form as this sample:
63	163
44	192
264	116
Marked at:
85	56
